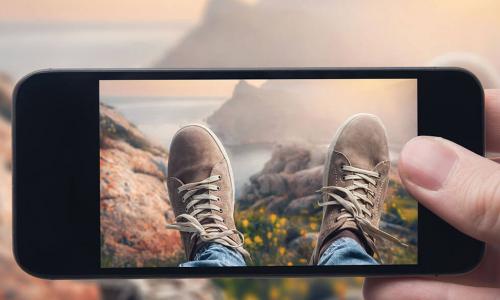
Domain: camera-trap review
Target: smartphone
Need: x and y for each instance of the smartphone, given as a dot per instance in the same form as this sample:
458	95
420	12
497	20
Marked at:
251	172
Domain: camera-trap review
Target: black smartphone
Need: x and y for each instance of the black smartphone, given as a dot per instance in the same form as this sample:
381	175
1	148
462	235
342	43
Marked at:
252	172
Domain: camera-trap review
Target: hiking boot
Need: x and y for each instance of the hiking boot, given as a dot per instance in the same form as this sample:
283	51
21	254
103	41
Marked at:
201	189
355	183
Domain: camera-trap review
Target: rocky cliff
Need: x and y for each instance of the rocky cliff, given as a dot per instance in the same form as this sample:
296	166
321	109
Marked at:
288	182
134	201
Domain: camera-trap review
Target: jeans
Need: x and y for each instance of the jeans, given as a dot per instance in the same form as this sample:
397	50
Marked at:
344	251
216	255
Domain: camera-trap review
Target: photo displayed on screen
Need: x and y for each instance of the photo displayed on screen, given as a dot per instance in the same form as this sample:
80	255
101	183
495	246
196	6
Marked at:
210	173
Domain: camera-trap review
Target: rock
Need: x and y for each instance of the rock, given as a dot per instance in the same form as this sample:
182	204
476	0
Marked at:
305	182
288	159
277	204
303	206
134	201
5	183
289	181
6	143
114	126
290	176
303	245
177	289
6	88
156	289
270	184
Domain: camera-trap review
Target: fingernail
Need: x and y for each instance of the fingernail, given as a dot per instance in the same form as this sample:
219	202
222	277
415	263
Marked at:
427	162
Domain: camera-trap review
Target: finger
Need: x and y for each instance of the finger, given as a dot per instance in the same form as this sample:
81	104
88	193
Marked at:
461	187
414	288
492	120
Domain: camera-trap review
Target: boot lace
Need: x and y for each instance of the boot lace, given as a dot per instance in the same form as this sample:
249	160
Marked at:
355	202
201	220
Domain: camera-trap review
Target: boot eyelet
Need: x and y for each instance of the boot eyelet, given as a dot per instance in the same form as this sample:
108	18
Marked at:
218	188
220	177
218	198
220	210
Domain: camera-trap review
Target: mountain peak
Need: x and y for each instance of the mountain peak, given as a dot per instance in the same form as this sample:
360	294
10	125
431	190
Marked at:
218	8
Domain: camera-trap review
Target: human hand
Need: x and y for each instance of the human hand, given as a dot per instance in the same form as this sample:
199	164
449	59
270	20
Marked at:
464	189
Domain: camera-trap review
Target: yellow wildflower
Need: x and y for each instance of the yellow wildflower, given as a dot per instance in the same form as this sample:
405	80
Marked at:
250	297
269	235
289	263
340	288
258	240
245	223
274	293
282	250
248	241
273	217
282	221
313	226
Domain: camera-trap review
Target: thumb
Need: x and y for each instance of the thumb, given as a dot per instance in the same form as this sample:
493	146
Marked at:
461	187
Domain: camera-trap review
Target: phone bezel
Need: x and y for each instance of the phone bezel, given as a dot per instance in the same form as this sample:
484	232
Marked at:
56	238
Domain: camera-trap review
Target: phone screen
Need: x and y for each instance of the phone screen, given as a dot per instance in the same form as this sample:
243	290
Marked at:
199	173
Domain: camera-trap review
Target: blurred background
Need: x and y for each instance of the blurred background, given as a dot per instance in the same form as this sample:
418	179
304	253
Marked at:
225	33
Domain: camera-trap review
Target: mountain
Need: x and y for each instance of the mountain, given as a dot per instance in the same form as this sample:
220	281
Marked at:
288	182
310	111
295	33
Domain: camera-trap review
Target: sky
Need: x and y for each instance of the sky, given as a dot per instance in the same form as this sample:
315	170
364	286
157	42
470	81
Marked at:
102	10
179	88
